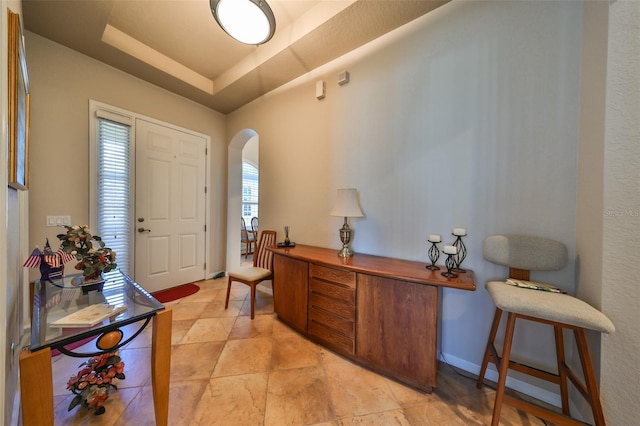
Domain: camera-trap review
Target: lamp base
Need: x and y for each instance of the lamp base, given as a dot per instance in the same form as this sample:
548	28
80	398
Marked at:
345	236
345	252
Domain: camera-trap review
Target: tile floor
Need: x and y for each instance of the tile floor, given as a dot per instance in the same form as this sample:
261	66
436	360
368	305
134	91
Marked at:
229	370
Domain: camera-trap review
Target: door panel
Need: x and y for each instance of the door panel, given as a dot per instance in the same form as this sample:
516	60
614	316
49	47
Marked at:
170	174
158	255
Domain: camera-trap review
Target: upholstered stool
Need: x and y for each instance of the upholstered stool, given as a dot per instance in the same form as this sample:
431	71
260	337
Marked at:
523	254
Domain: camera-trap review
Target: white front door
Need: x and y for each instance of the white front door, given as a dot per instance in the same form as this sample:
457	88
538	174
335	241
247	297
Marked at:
170	207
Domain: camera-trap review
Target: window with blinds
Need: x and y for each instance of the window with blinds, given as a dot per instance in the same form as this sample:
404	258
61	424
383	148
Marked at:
249	192
114	204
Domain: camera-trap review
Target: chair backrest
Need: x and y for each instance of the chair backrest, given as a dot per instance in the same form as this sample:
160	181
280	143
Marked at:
262	257
243	230
254	224
524	252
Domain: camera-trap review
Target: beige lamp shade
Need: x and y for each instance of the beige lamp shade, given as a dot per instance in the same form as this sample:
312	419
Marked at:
347	204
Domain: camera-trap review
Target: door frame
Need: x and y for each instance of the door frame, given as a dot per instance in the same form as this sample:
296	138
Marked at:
234	195
133	117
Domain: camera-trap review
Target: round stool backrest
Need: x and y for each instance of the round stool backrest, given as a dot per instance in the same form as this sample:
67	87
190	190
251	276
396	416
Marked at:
525	252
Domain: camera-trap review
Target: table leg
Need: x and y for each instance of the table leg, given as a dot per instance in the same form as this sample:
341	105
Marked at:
36	386
161	365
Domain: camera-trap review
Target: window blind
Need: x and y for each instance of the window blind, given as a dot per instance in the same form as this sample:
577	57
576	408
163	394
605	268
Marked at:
114	205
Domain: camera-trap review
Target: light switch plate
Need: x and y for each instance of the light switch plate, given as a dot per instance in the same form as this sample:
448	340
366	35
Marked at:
58	220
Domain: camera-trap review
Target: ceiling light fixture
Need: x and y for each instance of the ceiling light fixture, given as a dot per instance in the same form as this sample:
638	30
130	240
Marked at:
248	21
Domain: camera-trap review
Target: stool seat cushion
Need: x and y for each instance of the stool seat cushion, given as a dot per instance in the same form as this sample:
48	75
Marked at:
250	273
549	306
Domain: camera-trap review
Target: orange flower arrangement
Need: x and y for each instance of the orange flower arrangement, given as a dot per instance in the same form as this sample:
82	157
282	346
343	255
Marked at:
93	383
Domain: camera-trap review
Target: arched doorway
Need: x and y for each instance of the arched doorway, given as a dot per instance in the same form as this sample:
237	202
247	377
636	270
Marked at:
234	193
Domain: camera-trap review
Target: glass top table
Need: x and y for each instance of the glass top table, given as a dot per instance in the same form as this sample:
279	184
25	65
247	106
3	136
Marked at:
58	299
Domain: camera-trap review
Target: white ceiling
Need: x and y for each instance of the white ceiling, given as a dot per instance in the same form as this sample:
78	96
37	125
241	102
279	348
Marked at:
177	44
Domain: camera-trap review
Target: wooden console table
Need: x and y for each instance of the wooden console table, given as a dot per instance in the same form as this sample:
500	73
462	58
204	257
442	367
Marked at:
380	312
55	300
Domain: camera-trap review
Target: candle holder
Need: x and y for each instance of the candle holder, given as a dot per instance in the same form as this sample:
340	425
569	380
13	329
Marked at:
460	256
287	241
434	255
449	263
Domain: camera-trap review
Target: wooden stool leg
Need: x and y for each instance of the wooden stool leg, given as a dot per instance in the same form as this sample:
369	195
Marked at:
226	303
490	345
562	373
589	377
503	367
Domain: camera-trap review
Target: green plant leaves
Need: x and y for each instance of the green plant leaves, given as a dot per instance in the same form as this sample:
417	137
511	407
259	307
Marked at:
77	400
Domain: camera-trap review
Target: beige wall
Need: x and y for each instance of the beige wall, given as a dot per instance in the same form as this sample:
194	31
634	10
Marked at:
62	83
466	117
590	201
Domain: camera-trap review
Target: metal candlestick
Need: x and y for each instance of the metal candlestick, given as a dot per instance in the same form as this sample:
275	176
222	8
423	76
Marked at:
287	241
460	256
434	254
449	263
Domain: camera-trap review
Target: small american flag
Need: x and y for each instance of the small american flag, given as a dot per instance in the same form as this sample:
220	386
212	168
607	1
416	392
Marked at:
64	256
55	260
33	261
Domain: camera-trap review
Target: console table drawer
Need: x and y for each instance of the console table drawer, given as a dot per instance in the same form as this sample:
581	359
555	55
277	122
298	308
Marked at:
332	337
347	278
332	290
333	306
341	325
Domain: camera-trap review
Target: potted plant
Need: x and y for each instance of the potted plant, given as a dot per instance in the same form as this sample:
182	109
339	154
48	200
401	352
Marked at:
95	380
90	251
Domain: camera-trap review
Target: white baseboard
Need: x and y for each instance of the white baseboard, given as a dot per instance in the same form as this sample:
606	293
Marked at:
512	383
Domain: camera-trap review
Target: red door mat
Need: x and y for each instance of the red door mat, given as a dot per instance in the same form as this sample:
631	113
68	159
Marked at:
174	293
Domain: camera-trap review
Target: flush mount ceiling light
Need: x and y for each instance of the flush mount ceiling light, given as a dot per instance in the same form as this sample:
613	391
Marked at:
248	21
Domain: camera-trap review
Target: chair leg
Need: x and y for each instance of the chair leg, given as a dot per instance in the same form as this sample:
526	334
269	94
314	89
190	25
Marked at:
589	377
487	353
562	373
226	303
503	367
253	300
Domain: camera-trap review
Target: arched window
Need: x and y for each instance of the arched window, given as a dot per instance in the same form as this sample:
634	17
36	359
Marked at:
249	192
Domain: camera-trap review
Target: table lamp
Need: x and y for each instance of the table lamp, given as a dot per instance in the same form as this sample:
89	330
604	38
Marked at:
347	206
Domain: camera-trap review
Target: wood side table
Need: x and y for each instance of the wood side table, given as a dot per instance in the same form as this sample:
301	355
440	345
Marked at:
377	311
56	299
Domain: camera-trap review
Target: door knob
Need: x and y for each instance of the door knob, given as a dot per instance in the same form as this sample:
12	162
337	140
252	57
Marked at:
141	219
141	230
